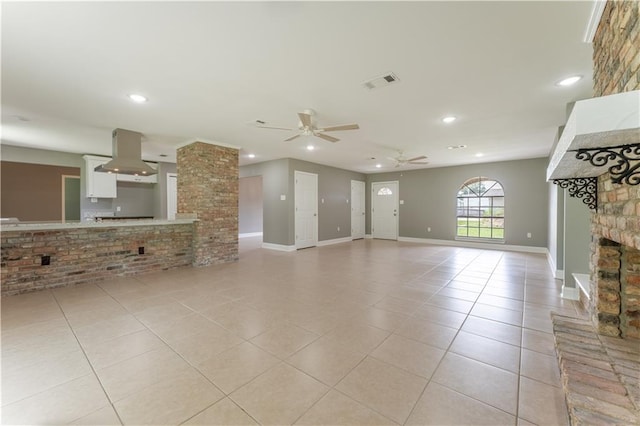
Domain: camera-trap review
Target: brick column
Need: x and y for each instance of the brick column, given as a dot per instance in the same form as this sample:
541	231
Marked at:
208	190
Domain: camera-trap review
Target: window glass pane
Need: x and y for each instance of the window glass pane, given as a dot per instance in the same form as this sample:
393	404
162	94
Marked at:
385	191
480	209
473	232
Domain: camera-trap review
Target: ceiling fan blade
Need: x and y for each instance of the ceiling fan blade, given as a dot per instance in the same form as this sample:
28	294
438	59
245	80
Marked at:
343	127
277	128
305	119
418	162
326	137
422	157
292	138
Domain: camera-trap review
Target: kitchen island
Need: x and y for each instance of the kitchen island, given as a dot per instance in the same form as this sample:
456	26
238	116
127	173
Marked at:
44	255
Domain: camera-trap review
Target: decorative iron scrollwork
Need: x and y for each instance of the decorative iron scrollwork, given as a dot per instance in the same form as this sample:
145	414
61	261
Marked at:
584	188
626	159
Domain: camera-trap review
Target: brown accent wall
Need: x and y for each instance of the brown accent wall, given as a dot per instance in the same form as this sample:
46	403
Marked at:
616	57
88	254
32	192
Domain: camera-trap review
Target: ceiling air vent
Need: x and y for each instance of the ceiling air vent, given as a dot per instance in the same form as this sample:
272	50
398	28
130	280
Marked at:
383	80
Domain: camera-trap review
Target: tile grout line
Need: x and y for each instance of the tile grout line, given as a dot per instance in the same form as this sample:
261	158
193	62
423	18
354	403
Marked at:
87	358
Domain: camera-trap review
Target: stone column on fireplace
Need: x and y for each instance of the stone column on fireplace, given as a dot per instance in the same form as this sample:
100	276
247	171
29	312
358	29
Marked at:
208	189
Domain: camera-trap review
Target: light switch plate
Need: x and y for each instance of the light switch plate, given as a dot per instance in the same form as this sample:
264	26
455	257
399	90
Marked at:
283	197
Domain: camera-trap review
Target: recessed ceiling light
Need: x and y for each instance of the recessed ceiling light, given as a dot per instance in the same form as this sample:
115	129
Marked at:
138	98
449	119
479	154
251	156
569	80
456	146
310	147
378	166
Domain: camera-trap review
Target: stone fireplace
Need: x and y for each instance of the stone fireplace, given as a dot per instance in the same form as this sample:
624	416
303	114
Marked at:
614	305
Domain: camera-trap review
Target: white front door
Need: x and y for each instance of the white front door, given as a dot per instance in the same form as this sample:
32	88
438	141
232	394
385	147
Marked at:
384	210
172	195
357	209
306	202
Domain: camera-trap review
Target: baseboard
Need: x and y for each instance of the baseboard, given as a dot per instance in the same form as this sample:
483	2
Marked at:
278	247
250	234
334	241
583	284
473	244
368	236
558	274
570	293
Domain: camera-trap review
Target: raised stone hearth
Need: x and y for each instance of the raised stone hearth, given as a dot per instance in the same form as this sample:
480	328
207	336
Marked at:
600	374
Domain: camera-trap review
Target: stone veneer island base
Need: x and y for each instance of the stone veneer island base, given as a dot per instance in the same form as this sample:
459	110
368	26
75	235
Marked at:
88	252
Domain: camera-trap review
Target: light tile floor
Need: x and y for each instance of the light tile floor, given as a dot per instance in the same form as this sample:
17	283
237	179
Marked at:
368	332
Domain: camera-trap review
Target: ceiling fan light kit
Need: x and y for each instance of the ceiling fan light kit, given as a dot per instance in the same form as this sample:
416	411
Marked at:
307	127
401	160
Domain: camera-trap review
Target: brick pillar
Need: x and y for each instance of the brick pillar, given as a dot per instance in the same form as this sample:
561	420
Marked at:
208	190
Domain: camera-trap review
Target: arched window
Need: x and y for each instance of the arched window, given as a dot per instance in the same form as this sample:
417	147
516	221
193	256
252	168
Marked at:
480	212
385	191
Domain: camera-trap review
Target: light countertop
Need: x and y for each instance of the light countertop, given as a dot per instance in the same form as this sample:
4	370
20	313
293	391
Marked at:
42	226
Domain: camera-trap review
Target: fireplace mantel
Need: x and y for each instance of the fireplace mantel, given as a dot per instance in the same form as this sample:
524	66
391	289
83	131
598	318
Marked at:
600	132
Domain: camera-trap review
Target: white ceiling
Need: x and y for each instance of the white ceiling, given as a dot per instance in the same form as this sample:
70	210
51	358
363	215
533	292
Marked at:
210	68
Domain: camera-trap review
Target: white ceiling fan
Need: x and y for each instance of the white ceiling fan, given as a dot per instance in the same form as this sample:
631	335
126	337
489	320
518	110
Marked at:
308	127
401	160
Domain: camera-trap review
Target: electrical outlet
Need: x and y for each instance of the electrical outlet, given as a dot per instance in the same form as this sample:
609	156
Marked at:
338	229
528	234
118	208
428	229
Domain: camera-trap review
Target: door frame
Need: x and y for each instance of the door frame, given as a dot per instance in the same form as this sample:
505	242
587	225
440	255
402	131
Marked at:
63	177
169	194
397	206
364	198
297	173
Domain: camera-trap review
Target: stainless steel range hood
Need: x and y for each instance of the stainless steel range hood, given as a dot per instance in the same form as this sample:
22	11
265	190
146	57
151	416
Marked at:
127	155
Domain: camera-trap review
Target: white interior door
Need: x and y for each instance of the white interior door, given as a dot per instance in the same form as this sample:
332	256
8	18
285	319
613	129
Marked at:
172	195
384	210
306	202
357	209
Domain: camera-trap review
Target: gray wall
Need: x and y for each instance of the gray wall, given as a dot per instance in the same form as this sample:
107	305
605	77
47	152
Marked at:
430	199
556	227
160	189
334	185
250	204
40	156
275	214
577	238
